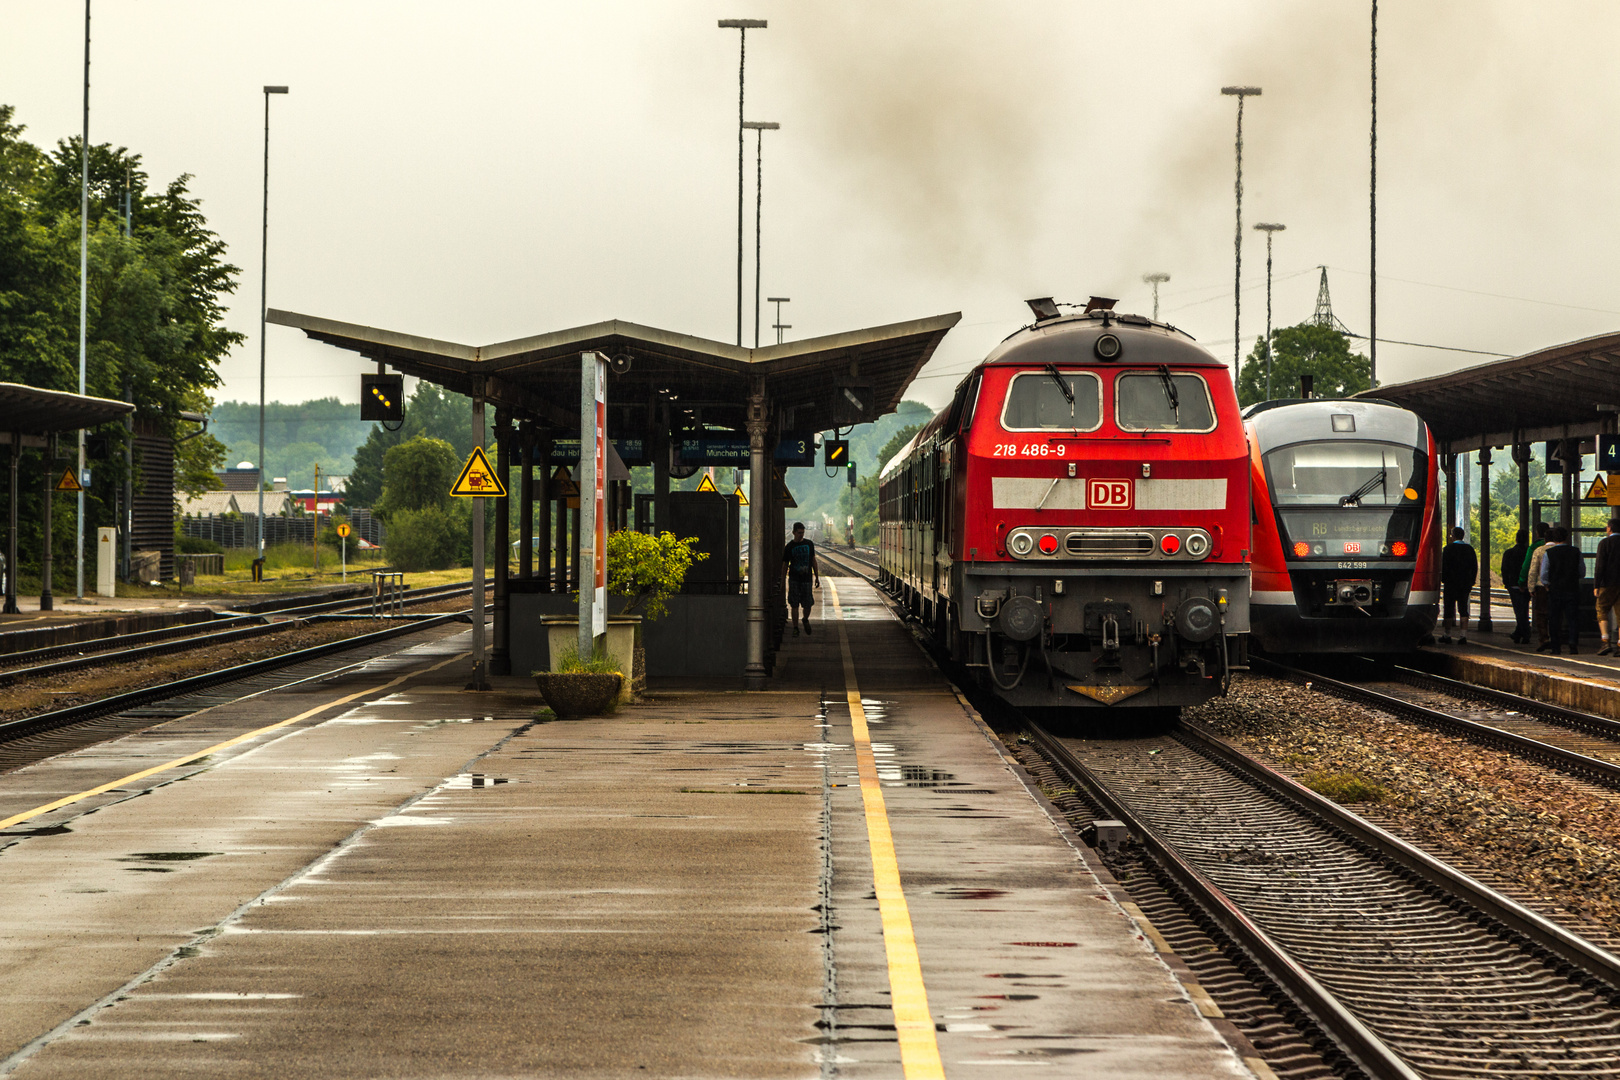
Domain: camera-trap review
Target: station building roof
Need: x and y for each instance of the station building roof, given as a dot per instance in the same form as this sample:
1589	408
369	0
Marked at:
538	377
1567	391
33	411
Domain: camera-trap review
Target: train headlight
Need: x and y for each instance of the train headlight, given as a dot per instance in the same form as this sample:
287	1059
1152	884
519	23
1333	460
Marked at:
1301	549
1021	543
1169	543
1197	545
1398	548
1049	544
1107	347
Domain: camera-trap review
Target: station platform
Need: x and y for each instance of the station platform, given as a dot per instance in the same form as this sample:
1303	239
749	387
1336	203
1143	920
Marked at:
1583	681
381	874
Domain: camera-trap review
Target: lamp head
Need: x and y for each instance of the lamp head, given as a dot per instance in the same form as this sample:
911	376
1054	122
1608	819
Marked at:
742	24
275	89
1241	91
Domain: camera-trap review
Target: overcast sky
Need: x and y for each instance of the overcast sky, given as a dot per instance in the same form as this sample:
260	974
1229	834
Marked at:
483	171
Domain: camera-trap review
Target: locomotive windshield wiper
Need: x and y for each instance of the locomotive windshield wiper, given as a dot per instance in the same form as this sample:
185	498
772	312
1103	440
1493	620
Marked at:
1170	391
1377	480
1063	384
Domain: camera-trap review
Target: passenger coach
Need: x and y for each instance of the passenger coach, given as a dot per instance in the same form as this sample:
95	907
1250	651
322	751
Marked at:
1074	527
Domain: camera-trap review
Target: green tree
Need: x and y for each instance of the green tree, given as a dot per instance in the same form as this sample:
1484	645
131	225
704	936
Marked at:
156	301
417	474
1306	349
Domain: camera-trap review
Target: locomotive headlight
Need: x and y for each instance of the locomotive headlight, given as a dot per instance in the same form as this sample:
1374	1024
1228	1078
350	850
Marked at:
1398	548
1049	544
1197	544
1169	543
1107	347
1301	549
1021	543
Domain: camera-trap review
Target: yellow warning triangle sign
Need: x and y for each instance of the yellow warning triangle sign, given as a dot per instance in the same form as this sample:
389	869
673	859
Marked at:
742	500
707	484
562	485
478	479
69	482
1598	490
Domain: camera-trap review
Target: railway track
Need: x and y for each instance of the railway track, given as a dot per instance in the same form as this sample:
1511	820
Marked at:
125	648
1576	743
1410	967
32	738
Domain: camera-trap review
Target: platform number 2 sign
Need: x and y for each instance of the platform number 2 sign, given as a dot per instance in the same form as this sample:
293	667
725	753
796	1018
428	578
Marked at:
1109	495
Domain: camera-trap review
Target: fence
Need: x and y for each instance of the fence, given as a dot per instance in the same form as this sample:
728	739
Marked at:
242	531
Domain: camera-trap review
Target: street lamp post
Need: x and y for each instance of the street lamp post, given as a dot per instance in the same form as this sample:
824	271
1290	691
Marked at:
742	26
759	127
1155	279
1268	228
1372	216
779	325
84	300
264	299
1239	92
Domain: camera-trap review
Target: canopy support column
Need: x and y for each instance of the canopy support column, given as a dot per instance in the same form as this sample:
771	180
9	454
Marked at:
1485	624
11	541
660	423
1448	462
761	500
500	658
542	495
46	602
1570	451
1521	457
480	671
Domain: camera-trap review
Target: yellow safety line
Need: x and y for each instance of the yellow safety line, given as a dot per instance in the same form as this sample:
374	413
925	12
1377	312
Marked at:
17	819
913	1023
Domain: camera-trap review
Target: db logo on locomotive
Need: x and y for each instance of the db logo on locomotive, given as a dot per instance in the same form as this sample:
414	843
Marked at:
1109	495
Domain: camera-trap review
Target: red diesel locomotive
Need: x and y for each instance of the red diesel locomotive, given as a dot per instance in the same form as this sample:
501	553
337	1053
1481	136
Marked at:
1347	527
1074	527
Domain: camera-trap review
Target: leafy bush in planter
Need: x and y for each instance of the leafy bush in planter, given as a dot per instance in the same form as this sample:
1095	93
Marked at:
649	569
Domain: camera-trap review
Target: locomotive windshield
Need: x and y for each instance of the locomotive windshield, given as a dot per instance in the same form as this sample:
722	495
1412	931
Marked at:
1053	400
1161	401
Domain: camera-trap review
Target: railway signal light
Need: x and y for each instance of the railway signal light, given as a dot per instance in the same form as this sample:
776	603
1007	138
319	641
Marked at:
835	453
382	397
851	472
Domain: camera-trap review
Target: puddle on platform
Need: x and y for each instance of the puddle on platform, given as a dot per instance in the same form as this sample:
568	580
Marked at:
1010	997
963	893
1047	944
163	857
470	781
43	830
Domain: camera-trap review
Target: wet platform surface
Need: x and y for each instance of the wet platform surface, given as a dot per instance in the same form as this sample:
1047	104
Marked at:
406	879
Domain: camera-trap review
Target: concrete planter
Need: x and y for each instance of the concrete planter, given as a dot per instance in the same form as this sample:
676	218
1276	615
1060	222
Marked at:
562	633
576	694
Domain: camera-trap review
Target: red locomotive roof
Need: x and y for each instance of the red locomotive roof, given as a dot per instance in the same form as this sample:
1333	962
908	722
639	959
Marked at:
1072	339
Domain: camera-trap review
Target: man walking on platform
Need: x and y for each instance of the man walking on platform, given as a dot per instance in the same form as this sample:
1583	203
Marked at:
1518	596
1606	587
1459	569
798	568
1563	569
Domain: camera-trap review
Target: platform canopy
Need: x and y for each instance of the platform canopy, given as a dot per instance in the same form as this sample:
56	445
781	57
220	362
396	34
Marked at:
537	378
1569	391
32	411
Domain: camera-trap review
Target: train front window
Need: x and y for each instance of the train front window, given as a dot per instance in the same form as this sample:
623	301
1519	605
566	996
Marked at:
1345	472
1053	400
1162	401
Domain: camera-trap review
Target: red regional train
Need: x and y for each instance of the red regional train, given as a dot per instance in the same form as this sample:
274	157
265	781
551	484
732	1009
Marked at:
1347	527
1074	527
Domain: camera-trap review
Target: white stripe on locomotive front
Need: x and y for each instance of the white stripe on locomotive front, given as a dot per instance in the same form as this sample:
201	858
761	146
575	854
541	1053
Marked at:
1026	493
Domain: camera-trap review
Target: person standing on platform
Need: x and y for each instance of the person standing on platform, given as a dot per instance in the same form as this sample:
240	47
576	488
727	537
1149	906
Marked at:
1512	581
1562	569
1606	587
1459	569
1533	585
798	569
